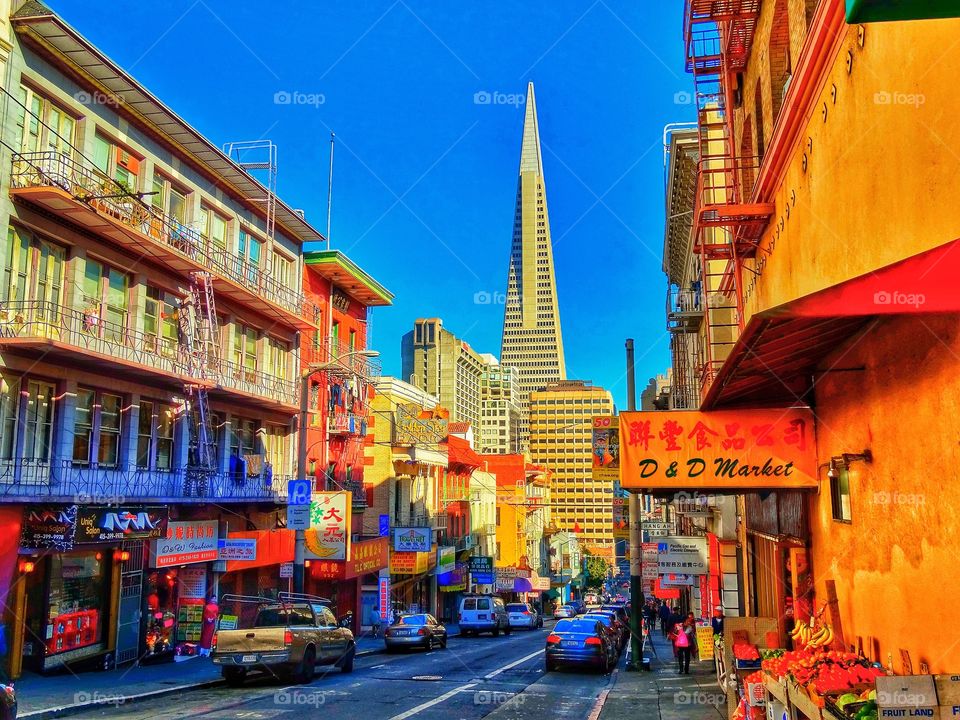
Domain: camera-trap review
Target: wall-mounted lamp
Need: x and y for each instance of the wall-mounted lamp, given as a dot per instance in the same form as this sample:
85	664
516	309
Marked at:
842	462
121	555
27	566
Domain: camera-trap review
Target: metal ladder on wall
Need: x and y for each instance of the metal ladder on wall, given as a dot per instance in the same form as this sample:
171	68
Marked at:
200	333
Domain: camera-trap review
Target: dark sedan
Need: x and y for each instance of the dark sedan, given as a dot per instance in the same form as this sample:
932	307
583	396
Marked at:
582	643
421	630
617	631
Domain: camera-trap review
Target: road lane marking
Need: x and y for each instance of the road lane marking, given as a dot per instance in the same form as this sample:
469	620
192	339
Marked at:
512	665
430	703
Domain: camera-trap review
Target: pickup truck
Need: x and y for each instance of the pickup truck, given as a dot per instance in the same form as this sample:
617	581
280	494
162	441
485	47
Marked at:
286	639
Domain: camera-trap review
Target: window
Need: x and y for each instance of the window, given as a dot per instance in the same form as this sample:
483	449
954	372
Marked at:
249	253
105	298
9	407
213	227
245	352
169	199
33	271
160	321
243	438
277	446
116	162
277	354
96	428
840	494
282	269
38	421
353	340
335	337
155	435
43	125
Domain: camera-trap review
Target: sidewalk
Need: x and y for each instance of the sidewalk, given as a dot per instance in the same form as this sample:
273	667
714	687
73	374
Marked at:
41	697
663	693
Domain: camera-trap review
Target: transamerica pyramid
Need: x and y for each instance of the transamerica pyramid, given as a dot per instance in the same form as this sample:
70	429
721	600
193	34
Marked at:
531	340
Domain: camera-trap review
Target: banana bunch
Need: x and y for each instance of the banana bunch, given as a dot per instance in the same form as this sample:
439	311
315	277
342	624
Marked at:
809	635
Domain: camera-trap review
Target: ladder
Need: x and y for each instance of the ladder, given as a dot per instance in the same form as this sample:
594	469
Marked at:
199	332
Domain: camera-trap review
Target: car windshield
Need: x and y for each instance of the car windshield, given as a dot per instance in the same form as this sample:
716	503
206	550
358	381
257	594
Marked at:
516	607
413	620
576	626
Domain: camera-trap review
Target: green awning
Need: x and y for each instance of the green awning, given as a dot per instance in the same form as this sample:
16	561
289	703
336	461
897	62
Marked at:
551	594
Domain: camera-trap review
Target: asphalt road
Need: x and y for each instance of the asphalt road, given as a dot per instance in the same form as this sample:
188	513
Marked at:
498	678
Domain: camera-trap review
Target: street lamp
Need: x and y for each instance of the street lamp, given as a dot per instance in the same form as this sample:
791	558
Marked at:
299	535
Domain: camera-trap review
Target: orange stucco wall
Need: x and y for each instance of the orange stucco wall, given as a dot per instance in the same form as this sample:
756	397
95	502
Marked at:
895	564
881	180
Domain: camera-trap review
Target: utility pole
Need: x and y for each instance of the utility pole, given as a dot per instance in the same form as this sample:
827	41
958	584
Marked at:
299	536
636	538
330	190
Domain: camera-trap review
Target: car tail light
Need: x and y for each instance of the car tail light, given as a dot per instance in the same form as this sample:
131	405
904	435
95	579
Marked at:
593	641
422	631
214	644
288	637
526	612
553	639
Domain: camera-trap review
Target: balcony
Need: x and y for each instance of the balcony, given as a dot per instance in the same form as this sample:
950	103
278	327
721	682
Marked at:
62	332
63	481
346	423
685	310
341	363
84	196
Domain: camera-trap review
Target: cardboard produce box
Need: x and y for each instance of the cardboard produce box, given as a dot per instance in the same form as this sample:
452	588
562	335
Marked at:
948	691
907	697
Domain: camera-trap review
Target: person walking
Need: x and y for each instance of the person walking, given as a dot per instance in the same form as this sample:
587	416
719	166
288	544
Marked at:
376	621
665	618
683	635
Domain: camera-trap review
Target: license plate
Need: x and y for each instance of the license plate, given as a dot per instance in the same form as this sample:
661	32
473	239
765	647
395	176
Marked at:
482	616
401	633
249	659
570	643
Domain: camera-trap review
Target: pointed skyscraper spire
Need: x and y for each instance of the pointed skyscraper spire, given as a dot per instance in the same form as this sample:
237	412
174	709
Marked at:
532	342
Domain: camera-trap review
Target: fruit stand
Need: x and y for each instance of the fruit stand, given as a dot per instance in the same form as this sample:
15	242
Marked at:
744	641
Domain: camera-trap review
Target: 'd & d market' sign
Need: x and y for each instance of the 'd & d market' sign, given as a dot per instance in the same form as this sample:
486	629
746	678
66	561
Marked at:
720	450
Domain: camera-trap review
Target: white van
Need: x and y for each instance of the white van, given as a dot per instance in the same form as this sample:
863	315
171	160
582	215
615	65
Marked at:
483	613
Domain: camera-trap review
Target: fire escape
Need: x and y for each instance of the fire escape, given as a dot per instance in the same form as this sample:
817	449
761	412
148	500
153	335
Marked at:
726	225
199	333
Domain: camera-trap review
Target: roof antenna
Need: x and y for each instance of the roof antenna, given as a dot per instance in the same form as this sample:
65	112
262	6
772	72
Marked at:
330	190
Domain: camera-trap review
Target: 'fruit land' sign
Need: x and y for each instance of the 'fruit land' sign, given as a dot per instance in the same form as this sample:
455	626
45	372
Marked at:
719	450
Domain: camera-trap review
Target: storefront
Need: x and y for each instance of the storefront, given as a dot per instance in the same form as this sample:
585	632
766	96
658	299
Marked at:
73	559
342	580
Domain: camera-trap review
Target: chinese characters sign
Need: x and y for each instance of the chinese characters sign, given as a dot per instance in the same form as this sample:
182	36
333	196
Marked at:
606	448
366	556
185	543
683	555
726	449
329	535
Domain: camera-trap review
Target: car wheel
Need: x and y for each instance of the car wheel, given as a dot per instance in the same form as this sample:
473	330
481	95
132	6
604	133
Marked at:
443	642
235	677
304	673
508	629
346	664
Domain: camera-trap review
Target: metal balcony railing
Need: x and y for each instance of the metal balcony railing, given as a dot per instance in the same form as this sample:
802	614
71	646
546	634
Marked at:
110	199
338	357
87	331
345	423
65	481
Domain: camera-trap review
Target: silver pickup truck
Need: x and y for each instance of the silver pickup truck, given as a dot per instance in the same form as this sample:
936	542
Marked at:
286	639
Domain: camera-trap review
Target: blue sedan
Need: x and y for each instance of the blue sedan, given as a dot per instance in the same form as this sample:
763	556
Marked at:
582	643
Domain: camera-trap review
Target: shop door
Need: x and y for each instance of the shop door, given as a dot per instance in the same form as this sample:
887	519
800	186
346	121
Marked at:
129	612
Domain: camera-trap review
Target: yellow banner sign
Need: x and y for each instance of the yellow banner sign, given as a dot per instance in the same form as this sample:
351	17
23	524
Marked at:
722	450
408	563
606	448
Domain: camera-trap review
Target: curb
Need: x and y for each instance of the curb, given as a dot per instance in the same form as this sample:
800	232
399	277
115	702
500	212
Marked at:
74	708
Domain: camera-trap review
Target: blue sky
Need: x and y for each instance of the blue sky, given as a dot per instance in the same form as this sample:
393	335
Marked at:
425	177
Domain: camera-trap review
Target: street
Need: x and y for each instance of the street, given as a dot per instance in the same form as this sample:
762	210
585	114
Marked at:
500	678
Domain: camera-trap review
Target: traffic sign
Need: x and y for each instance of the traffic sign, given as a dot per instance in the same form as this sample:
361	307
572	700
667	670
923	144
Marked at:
298	517
298	492
286	570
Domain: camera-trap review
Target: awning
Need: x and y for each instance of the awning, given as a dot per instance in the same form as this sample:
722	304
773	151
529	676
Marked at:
273	547
781	348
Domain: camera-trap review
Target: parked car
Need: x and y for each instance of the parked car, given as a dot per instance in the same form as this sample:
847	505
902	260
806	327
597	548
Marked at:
483	613
621	611
580	642
286	638
565	611
618	631
523	615
420	630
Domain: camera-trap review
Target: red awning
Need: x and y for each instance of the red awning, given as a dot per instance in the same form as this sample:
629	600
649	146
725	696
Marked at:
779	350
459	452
273	547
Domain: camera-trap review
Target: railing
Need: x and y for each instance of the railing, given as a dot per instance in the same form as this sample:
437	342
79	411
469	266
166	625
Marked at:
339	359
256	382
65	481
345	423
110	199
88	331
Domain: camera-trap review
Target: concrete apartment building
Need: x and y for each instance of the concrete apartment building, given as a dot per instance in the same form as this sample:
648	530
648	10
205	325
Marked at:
501	415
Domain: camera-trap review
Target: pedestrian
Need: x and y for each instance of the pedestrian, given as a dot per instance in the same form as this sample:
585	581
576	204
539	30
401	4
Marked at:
665	618
717	621
683	636
375	621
